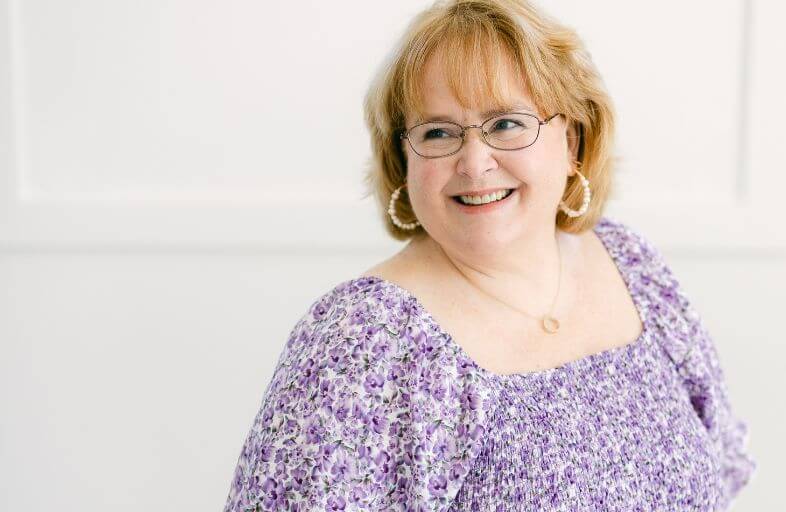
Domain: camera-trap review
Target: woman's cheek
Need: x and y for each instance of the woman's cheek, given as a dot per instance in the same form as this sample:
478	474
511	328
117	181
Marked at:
430	182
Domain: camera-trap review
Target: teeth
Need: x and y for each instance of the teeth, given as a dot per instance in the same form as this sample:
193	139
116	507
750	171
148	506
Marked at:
488	198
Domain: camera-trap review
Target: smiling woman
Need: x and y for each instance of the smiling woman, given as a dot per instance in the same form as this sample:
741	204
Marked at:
520	62
429	382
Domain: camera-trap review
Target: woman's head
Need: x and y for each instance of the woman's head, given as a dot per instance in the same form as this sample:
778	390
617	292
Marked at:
459	61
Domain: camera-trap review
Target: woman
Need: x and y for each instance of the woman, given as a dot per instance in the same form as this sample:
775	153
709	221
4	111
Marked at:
523	351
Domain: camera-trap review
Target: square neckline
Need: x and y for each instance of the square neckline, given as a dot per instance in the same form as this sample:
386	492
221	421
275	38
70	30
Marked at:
606	355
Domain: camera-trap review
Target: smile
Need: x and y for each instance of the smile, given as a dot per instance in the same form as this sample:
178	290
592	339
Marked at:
480	207
488	198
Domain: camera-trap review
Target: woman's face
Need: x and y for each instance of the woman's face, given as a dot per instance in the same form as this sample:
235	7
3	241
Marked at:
538	174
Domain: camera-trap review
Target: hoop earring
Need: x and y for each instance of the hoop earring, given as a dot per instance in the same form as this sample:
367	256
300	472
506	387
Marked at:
392	211
585	203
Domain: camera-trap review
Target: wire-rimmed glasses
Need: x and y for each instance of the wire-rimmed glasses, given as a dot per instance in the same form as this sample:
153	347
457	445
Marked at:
508	131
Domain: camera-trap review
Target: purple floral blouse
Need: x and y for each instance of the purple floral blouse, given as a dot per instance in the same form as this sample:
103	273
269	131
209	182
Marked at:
373	406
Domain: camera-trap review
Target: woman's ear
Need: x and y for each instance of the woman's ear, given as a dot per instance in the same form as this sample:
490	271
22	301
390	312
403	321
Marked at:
572	133
403	148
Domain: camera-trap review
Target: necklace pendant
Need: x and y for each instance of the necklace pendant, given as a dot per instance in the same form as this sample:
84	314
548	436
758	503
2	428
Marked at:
550	324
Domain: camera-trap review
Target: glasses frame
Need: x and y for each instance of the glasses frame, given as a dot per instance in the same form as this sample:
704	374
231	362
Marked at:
405	133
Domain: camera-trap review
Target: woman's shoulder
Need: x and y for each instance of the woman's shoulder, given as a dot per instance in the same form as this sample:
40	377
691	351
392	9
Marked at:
359	396
358	303
362	324
668	307
623	236
636	254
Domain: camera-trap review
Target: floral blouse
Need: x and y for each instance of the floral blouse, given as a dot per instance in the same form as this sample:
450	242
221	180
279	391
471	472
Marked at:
373	406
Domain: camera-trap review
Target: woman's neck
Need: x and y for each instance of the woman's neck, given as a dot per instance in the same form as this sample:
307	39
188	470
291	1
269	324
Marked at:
537	267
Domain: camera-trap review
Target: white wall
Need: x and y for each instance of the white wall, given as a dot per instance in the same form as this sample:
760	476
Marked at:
151	268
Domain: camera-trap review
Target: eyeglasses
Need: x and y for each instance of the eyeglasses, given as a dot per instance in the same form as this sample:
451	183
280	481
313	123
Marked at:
510	131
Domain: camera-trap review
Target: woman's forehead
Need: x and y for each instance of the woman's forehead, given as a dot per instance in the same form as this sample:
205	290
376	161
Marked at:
462	115
445	91
443	104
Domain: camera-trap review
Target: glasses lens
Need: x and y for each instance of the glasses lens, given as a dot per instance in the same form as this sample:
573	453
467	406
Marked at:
511	131
435	139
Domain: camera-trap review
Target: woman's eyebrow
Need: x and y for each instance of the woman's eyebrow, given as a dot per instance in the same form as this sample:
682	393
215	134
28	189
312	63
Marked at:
518	107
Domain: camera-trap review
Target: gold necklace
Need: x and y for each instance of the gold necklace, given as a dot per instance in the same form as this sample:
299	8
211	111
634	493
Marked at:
549	323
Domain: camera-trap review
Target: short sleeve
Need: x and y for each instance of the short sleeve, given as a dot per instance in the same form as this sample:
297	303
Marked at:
360	414
695	355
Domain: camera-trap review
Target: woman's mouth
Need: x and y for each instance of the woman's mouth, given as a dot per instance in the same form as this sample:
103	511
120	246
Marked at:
480	206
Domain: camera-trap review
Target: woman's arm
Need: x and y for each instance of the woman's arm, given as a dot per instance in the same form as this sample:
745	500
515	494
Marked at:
694	353
354	419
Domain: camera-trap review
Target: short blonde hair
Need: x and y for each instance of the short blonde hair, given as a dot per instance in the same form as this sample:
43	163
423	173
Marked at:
478	38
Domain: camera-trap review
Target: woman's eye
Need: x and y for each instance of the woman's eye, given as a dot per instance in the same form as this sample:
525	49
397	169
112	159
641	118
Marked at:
436	133
506	124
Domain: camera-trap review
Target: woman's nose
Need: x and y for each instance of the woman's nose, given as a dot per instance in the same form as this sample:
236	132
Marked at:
475	154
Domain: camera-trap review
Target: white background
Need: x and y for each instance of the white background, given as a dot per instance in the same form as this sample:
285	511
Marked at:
160	234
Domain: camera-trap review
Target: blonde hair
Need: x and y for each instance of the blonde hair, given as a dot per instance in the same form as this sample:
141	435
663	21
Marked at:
473	40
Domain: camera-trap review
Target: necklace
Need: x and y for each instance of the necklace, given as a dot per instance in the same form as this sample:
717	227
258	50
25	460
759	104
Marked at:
549	323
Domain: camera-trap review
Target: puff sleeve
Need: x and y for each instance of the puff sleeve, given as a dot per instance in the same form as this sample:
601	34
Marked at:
694	353
359	415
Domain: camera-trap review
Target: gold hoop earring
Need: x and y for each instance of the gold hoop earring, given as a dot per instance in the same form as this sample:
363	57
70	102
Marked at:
392	211
584	204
